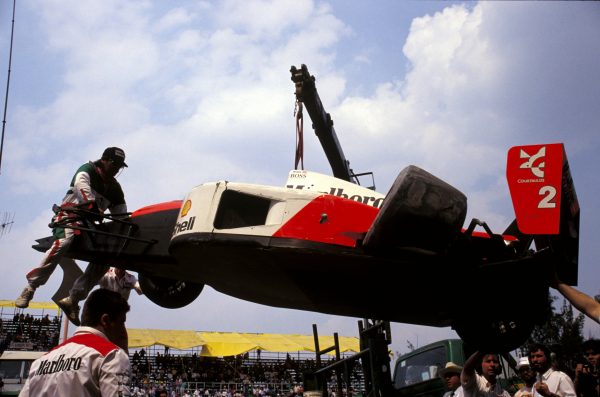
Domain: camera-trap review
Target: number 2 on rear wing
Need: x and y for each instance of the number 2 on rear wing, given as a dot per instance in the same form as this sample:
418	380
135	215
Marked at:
541	187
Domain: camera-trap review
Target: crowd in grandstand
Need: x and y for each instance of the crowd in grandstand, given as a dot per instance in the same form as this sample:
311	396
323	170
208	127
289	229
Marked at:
234	376
29	332
180	374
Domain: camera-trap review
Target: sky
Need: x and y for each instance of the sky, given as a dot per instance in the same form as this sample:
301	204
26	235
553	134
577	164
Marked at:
199	91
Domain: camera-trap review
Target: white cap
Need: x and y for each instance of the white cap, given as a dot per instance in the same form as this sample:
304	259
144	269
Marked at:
523	361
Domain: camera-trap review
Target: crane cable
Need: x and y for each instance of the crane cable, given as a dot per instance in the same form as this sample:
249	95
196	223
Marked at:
299	136
12	31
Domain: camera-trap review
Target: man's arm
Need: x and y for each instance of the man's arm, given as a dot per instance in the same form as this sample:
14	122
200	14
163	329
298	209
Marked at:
137	288
133	283
119	209
468	375
566	387
115	374
104	281
82	186
583	302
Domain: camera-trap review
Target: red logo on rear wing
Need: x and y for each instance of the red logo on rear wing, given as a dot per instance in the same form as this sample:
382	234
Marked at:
534	176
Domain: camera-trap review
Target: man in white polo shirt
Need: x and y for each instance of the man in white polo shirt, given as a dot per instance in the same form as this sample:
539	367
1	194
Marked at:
551	383
119	280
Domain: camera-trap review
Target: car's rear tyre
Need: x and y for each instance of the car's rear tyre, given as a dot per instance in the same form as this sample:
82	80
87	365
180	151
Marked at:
169	293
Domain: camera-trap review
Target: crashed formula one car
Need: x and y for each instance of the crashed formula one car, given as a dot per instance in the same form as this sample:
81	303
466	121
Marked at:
325	244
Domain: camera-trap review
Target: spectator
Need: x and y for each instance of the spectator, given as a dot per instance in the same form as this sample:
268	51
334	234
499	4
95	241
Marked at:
450	374
93	190
161	393
94	361
550	382
528	376
484	384
298	391
587	381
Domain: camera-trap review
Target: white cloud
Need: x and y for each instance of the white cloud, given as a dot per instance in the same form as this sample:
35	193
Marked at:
267	19
175	18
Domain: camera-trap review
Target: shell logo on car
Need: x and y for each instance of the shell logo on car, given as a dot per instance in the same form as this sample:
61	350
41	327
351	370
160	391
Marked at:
186	207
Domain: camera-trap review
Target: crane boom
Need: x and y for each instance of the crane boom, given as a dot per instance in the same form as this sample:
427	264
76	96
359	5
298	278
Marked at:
306	93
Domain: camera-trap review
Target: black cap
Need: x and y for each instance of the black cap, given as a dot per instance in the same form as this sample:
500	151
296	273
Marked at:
115	154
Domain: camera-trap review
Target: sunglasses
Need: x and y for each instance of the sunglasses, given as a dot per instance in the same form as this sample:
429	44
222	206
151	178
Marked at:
589	354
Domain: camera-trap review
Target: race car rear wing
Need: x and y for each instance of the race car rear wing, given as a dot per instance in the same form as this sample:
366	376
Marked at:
545	204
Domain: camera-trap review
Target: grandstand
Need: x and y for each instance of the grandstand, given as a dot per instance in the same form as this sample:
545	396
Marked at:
33	330
211	364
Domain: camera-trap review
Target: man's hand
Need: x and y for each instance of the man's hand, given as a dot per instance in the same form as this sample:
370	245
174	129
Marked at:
92	212
542	388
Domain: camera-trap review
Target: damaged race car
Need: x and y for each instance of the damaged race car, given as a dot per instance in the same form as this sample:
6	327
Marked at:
325	244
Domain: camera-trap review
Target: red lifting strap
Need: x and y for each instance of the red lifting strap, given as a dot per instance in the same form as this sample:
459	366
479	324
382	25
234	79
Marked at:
299	136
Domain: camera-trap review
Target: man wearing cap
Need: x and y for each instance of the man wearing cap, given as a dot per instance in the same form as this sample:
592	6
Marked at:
527	375
93	190
450	374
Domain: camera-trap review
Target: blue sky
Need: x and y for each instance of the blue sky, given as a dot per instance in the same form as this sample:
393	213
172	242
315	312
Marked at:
200	91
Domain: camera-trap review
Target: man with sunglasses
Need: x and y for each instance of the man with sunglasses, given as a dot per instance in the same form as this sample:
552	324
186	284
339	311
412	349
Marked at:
93	190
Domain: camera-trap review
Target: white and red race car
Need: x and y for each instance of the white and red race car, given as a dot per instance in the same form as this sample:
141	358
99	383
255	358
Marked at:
327	245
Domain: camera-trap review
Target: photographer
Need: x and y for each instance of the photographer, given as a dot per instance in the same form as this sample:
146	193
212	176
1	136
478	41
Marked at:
586	374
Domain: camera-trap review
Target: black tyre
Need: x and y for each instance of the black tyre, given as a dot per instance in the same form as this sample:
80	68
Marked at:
169	293
421	211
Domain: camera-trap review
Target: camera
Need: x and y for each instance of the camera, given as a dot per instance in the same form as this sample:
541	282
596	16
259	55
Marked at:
590	370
